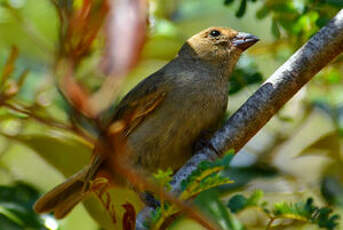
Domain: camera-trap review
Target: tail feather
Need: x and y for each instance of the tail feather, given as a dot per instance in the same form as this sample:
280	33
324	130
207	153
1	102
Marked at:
63	198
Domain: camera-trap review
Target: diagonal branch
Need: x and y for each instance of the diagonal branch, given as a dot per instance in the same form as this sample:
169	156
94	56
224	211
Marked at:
285	82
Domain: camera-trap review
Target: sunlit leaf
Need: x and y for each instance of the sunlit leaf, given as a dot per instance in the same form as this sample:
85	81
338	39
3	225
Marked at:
66	153
241	9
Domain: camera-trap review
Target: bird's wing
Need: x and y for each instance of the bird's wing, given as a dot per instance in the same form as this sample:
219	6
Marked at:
133	108
140	102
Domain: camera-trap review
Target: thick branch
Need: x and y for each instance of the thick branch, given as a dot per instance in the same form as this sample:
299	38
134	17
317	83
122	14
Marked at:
286	81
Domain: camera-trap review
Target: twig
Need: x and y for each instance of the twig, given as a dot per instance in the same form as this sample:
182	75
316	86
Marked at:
322	48
49	122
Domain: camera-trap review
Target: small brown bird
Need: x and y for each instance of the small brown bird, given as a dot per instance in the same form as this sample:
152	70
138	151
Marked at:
176	105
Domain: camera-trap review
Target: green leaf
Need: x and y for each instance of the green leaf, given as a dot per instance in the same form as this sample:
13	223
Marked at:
206	176
228	2
16	207
241	9
255	198
209	203
322	21
10	216
205	168
287	8
245	74
164	177
336	3
332	190
65	152
7	224
307	211
263	12
276	30
237	203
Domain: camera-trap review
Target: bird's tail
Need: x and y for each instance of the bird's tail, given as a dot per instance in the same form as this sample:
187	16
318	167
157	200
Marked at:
63	198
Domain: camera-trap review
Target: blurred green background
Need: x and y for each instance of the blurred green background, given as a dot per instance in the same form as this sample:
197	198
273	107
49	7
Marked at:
297	155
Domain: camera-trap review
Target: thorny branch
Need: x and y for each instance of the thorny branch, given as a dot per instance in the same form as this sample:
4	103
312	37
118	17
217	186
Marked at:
286	81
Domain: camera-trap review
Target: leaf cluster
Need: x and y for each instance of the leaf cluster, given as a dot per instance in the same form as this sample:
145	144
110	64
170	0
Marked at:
306	16
16	208
206	176
304	211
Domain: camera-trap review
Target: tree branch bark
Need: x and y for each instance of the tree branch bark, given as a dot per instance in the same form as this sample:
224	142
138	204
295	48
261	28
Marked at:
285	82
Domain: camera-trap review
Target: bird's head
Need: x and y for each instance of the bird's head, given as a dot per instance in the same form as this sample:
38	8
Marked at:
218	45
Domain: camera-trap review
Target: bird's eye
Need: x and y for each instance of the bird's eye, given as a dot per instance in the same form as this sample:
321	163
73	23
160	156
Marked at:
214	33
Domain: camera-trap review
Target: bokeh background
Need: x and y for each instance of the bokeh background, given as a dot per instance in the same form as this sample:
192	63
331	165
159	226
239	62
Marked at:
297	155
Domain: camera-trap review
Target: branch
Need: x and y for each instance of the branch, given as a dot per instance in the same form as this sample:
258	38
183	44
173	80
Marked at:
285	82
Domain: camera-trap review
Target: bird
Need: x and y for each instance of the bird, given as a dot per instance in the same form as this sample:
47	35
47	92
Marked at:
180	103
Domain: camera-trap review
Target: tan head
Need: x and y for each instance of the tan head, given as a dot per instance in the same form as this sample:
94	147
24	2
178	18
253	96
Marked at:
218	45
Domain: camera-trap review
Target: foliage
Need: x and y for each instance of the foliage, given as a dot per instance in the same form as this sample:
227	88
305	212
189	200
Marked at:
307	16
16	208
163	178
299	211
206	176
239	202
41	111
244	75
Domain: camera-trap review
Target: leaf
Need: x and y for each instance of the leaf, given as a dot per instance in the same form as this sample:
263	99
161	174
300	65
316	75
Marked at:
66	153
332	190
336	3
255	198
210	204
324	220
263	12
322	21
164	177
11	217
295	211
9	66
205	169
239	202
16	207
300	211
245	74
241	9
118	197
275	30
129	218
205	177
8	224
287	8
307	211
228	2
339	119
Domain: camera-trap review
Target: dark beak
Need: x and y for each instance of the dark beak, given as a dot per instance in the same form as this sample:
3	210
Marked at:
244	40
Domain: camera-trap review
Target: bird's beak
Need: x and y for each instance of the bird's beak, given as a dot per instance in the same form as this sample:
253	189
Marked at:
244	40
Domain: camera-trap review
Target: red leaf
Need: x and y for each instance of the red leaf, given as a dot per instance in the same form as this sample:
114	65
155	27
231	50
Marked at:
129	218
